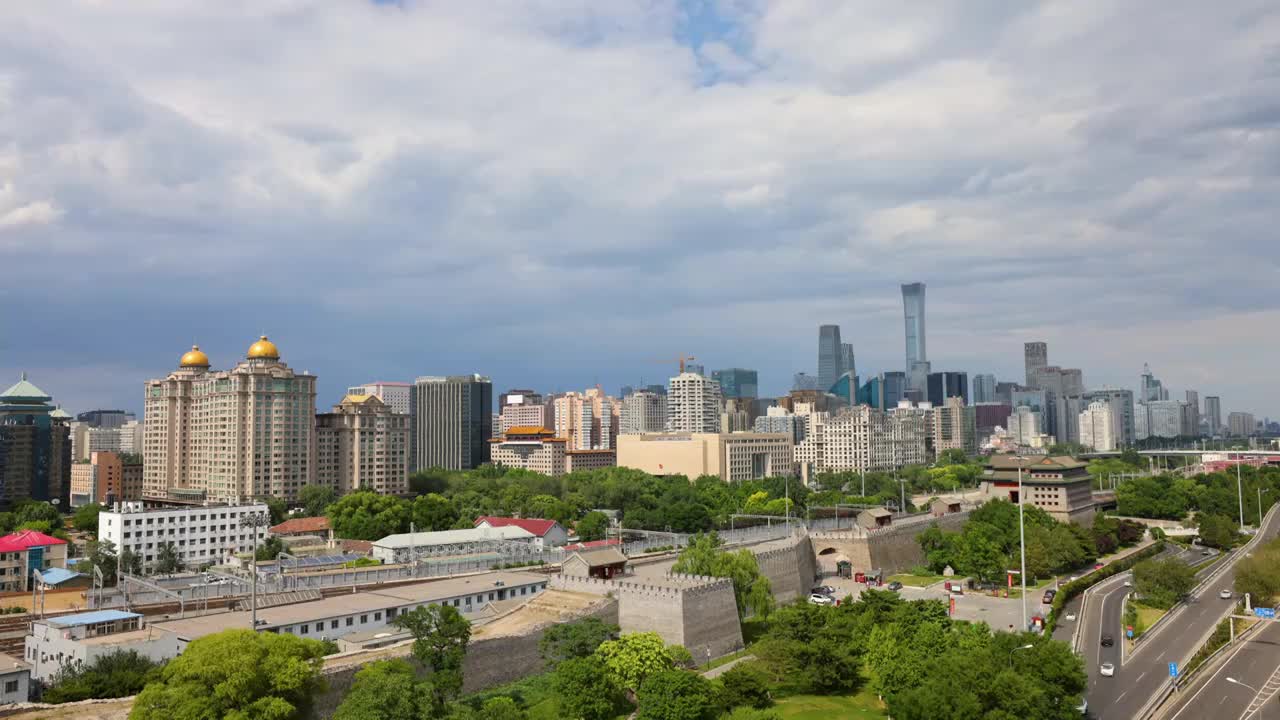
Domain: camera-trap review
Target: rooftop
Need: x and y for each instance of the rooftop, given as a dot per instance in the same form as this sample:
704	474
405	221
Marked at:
26	539
301	525
452	537
536	526
1043	462
8	662
592	544
90	618
599	557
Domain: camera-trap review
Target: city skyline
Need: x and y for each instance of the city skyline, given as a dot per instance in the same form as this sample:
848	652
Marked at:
1003	159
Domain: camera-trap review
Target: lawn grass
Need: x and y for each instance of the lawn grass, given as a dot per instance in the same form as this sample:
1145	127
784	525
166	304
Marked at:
723	660
1147	616
826	707
915	580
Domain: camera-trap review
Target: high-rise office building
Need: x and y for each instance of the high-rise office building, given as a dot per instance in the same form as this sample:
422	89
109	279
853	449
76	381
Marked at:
984	388
1024	425
883	391
1241	424
917	351
35	447
848	364
737	382
1193	413
1123	413
1035	355
229	435
643	412
1152	389
943	385
1213	413
805	381
363	445
693	404
1097	426
830	356
1164	419
105	418
695	368
454	417
1059	384
954	427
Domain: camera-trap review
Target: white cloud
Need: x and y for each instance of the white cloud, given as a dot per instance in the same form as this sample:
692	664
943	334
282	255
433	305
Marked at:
34	213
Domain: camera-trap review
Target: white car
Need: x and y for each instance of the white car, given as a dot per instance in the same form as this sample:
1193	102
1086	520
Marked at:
1128	584
1224	594
1106	670
1071	616
817	599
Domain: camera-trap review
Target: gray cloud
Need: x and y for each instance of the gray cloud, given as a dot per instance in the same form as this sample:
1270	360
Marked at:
557	193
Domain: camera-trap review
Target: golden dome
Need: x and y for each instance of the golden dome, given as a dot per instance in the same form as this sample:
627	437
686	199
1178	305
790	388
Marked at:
195	358
264	348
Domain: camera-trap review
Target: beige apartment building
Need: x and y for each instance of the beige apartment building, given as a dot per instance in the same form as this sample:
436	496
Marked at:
532	448
363	445
733	457
228	435
105	478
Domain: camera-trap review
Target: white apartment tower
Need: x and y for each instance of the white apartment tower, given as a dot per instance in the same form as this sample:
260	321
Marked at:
229	435
1097	429
363	445
643	411
693	404
395	395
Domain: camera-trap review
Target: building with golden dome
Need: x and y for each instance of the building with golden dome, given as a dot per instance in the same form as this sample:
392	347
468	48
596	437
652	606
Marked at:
229	435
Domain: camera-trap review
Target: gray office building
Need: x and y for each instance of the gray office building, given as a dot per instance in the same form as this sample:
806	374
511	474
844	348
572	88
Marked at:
452	421
983	388
737	382
1122	410
1213	414
917	352
830	356
1035	355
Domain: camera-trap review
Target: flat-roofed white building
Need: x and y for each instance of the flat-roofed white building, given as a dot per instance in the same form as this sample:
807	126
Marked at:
54	642
15	680
200	534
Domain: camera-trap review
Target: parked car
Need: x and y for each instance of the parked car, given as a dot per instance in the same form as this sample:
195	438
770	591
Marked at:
1225	594
1128	584
1070	616
819	599
895	586
824	590
1048	596
1106	670
1098	566
1205	552
1108	641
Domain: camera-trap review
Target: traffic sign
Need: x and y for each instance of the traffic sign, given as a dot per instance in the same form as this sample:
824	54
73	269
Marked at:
1130	632
1268	613
1173	669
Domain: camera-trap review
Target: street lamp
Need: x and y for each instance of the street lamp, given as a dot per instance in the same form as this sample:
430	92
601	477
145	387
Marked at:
1022	540
1237	682
253	521
1028	646
1260	491
1239	491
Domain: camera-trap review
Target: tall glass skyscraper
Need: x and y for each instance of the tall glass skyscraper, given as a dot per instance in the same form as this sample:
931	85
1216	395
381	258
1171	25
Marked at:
830	356
913	314
737	382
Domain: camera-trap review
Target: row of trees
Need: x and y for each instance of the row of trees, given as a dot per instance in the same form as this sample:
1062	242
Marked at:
989	542
1172	497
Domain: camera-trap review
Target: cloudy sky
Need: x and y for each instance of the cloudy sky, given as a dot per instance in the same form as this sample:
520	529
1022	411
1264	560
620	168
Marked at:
559	193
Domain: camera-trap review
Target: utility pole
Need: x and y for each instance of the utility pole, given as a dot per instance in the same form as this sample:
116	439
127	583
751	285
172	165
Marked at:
1240	491
253	521
1022	542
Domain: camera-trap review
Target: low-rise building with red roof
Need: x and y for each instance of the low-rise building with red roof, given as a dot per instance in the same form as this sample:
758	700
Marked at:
292	527
28	550
546	533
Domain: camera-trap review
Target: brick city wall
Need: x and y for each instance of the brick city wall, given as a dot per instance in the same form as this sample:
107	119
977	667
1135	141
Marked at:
791	570
893	549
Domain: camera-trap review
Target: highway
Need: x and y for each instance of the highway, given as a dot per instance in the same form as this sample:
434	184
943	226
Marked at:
1253	663
1145	673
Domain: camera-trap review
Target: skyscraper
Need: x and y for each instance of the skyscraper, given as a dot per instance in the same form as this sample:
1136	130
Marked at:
1097	426
984	388
1213	411
737	382
643	412
693	404
917	354
847	362
363	445
229	435
830	356
1035	355
1122	413
944	385
35	447
1193	414
453	421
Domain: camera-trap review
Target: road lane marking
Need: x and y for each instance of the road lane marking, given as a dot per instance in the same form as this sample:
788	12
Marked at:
1140	678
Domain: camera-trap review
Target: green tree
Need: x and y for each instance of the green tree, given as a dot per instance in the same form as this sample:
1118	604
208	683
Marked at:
747	713
746	684
1259	575
633	657
431	480
277	509
385	690
751	589
584	690
316	499
440	637
592	526
501	708
117	674
167	560
574	640
100	554
36	511
130	562
368	516
1218	531
953	456
86	518
433	512
1163	582
675	695
269	549
236	674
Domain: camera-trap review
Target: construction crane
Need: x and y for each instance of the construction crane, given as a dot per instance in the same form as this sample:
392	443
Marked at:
682	359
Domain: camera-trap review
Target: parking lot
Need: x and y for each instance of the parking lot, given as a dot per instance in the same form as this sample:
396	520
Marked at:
998	612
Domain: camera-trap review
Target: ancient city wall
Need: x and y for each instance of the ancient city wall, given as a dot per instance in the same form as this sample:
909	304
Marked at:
791	569
893	549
